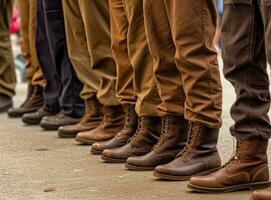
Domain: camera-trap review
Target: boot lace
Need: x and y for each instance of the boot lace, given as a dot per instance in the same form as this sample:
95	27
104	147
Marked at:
192	141
164	133
88	112
240	147
31	98
127	110
106	115
139	131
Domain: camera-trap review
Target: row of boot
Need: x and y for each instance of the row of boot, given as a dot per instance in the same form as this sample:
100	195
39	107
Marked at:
172	147
33	113
176	149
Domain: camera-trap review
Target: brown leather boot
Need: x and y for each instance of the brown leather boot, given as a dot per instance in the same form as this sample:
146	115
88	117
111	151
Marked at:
261	194
247	169
32	103
123	136
146	136
200	156
5	103
36	117
92	119
172	140
113	121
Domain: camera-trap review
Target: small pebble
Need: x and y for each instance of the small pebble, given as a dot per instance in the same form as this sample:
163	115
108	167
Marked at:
50	189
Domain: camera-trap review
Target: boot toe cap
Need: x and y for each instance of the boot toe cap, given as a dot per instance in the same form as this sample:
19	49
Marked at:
110	153
261	195
69	129
208	181
135	160
84	137
119	153
98	146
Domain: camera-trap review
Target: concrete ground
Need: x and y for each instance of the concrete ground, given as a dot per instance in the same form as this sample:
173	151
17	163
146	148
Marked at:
36	164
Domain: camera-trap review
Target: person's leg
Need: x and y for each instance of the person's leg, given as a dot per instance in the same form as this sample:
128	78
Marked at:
173	132
245	67
72	106
81	61
119	31
266	14
95	58
99	43
142	62
24	38
172	136
163	50
24	8
52	89
196	60
70	101
34	100
125	15
125	82
96	14
78	49
37	78
7	68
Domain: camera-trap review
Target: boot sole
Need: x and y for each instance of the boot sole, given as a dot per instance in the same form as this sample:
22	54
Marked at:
63	135
95	152
49	127
6	108
182	178
17	115
249	186
85	141
138	168
112	160
31	121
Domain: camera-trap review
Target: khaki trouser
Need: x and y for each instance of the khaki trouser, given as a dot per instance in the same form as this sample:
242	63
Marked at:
180	35
28	34
135	79
88	36
7	69
246	48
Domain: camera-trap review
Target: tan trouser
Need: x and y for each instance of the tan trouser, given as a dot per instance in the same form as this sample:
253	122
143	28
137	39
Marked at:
7	69
135	79
28	34
180	34
88	37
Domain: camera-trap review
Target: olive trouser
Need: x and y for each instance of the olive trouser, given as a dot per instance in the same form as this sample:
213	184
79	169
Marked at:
87	26
28	35
246	44
180	34
135	79
7	68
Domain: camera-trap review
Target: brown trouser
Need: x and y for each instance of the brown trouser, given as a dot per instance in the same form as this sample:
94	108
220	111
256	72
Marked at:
88	35
246	43
180	35
28	33
135	80
7	68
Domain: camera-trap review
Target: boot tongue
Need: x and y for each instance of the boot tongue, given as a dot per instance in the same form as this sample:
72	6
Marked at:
139	131
88	110
164	133
192	140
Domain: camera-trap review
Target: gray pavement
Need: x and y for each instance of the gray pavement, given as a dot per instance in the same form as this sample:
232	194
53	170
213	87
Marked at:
33	161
